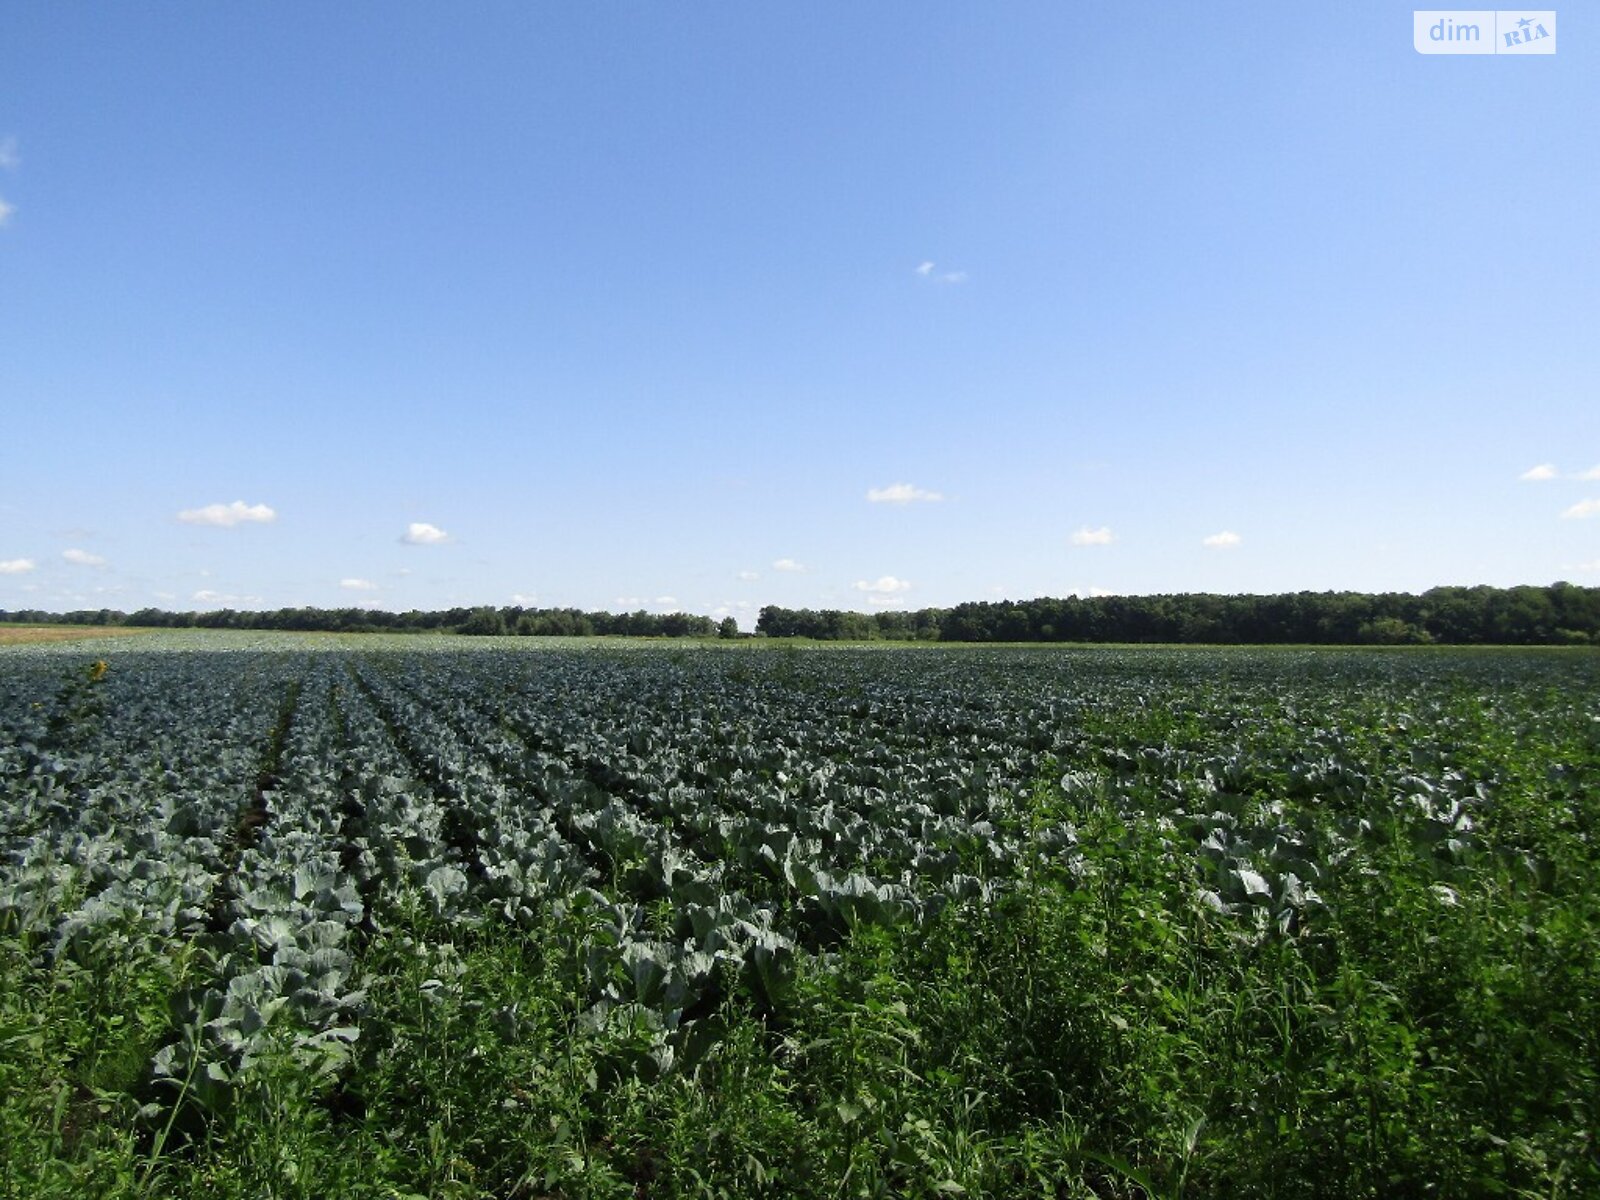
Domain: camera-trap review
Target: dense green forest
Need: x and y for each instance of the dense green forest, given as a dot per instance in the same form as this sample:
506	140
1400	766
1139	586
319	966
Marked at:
1560	614
481	621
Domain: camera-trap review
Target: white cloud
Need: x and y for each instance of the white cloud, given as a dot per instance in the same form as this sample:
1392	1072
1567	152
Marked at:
1592	474
732	608
526	599
926	271
17	566
83	558
1226	540
226	515
787	564
749	576
902	493
8	162
885	586
1097	592
223	599
420	533
1540	473
665	600
1093	537
358	585
879	600
1588	568
1584	508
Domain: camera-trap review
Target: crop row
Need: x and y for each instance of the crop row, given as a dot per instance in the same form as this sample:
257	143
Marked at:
713	814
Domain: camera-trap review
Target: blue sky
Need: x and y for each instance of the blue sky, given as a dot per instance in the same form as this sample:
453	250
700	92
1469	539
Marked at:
641	305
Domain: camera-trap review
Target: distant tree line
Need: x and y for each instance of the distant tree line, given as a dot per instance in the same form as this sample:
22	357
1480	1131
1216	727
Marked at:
1561	614
532	622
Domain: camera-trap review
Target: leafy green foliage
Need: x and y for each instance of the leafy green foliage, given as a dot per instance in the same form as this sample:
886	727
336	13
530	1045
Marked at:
299	922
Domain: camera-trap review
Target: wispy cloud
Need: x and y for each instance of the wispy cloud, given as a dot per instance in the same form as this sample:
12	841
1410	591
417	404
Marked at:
224	599
420	533
227	515
1093	537
17	566
1226	540
635	602
358	585
1545	472
927	271
83	558
9	161
748	576
526	599
787	564
903	493
886	585
1583	508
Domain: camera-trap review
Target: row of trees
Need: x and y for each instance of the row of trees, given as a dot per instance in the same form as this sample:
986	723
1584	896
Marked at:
1561	614
537	622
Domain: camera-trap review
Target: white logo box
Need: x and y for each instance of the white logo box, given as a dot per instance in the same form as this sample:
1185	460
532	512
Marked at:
1483	31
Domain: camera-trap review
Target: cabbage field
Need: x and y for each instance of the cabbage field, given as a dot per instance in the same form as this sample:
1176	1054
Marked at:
415	916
